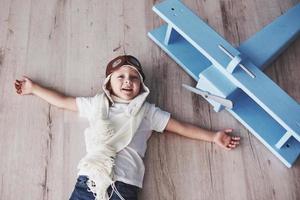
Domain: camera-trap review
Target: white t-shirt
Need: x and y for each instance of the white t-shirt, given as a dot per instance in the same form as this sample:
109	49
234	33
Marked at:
129	166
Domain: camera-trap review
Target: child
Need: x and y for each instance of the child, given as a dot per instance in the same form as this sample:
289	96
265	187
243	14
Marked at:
121	122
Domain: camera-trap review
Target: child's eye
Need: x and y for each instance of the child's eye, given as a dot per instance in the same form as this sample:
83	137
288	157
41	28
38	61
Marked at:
134	78
120	77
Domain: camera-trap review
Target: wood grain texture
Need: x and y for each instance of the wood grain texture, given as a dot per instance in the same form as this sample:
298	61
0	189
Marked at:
66	44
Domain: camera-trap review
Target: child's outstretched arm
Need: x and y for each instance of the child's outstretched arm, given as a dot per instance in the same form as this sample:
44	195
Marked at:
221	138
26	86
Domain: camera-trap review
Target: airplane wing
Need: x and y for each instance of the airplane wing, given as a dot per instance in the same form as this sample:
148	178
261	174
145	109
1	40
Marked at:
265	46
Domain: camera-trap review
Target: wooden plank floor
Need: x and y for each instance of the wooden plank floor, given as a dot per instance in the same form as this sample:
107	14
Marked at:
66	44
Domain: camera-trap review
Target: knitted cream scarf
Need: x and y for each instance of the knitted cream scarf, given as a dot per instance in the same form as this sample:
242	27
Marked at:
103	142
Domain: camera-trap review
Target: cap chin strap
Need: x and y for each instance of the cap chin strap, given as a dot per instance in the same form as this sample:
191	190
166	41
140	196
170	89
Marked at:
106	90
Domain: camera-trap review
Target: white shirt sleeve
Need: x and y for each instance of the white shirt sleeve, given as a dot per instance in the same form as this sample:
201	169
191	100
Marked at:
85	106
158	118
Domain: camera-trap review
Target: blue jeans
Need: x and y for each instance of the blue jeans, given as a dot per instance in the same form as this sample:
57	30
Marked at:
80	192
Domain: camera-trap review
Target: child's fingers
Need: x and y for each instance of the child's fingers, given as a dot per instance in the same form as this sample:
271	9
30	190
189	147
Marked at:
20	81
17	87
227	148
17	83
231	146
228	130
235	138
234	142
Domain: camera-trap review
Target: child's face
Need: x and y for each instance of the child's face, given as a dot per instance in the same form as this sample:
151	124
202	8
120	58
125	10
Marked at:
125	83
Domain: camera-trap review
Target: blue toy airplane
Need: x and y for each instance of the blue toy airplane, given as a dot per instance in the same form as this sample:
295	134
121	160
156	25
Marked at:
232	78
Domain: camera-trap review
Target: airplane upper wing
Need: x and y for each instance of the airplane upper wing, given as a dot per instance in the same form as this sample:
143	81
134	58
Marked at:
265	46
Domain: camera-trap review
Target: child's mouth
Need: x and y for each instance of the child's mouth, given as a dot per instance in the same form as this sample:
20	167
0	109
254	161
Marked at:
127	89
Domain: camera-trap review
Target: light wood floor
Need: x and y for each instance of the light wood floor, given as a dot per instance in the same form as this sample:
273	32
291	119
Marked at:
66	44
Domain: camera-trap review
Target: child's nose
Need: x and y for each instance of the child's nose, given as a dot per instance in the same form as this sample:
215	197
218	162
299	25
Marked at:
127	80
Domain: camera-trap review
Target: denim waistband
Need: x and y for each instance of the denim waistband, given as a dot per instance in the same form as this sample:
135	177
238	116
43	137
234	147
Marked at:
83	179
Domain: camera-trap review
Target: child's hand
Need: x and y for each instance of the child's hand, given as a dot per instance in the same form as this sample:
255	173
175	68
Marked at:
226	141
24	86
